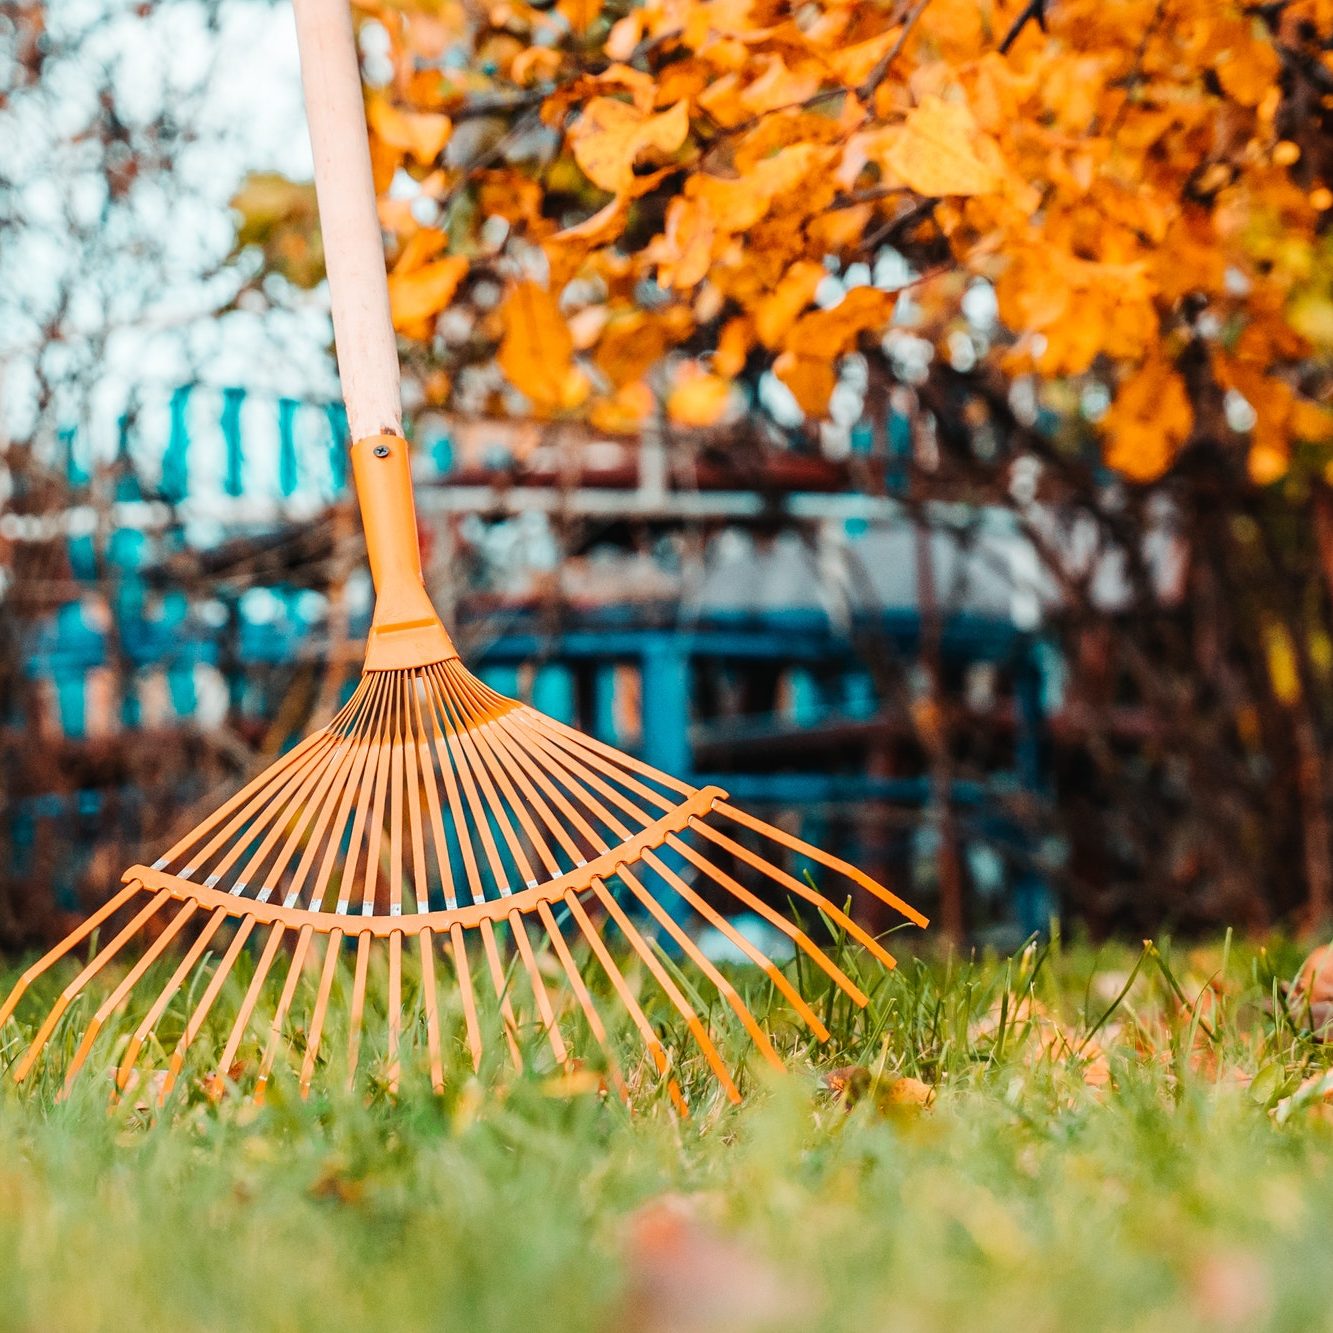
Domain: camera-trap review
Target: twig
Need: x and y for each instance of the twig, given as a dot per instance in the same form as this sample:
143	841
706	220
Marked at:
876	76
1034	9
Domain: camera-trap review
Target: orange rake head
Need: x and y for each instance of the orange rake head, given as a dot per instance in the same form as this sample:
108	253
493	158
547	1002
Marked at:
435	816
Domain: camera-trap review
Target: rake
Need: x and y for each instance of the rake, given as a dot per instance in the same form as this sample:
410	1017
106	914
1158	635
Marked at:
432	825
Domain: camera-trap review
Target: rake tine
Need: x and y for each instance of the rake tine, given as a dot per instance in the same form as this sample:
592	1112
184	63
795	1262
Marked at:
204	1007
801	890
705	965
167	994
523	764
297	756
413	784
431	1002
672	991
294	971
251	999
444	750
320	1011
738	938
651	1040
341	795
341	757
358	1007
396	810
376	822
360	797
774	918
490	766
118	996
620	764
539	992
584	997
836	863
479	820
427	769
496	968
68	995
394	1068
70	942
463	971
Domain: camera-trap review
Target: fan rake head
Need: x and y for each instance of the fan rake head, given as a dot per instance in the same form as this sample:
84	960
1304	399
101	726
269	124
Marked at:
434	817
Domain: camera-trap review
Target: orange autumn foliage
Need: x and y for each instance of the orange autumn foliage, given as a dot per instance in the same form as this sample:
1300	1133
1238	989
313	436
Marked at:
1138	181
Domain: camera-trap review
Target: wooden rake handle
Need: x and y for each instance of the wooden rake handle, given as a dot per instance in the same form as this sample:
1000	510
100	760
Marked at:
353	245
406	632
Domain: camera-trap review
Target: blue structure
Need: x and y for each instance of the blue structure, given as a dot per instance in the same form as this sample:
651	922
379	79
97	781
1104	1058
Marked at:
570	672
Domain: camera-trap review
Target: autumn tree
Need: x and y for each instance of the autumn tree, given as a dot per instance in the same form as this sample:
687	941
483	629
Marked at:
1073	240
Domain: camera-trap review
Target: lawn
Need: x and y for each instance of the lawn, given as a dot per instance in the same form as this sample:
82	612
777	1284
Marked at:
1062	1140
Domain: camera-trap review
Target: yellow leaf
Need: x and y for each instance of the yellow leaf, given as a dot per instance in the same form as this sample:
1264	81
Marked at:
698	398
684	250
625	411
631	345
537	350
625	35
420	293
733	347
1148	422
423	134
422	247
1283	670
611	136
811	380
778	86
833	332
939	151
777	312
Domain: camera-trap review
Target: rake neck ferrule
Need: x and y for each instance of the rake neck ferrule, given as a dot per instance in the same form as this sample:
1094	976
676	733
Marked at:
406	631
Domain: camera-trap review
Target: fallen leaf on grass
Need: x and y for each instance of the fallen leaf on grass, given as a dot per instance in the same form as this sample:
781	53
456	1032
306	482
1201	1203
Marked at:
1311	994
1231	1290
685	1276
854	1083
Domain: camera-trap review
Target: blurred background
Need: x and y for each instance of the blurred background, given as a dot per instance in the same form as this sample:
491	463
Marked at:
930	628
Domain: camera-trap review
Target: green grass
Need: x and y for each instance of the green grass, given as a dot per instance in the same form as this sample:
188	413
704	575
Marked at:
1086	1162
